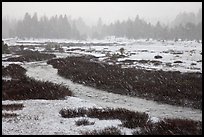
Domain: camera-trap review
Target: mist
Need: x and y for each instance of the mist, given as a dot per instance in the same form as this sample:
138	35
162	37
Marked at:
82	20
152	12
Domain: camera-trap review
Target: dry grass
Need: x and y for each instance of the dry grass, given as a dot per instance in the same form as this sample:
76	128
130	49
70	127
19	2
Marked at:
13	70
129	119
9	115
28	56
83	122
30	89
12	107
172	127
173	88
105	131
133	120
26	88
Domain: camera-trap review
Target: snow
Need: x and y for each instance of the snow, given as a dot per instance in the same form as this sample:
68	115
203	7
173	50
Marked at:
186	51
41	117
7	78
46	120
154	119
5	64
44	72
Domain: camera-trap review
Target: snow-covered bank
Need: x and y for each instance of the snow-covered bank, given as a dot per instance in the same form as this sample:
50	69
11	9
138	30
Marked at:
42	71
41	117
187	53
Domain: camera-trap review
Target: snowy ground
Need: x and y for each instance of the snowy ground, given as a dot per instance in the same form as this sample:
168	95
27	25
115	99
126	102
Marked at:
189	52
42	116
42	71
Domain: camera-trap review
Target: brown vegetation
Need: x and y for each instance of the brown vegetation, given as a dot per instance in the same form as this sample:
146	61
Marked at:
31	56
26	88
131	119
12	107
9	115
172	127
128	118
183	89
83	122
105	131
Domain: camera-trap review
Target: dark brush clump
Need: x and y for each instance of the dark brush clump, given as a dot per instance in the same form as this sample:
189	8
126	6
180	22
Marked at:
129	119
174	88
30	89
83	122
105	131
9	115
31	56
172	127
14	70
23	87
12	107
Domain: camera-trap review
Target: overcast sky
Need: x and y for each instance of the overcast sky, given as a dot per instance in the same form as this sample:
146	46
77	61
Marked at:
108	11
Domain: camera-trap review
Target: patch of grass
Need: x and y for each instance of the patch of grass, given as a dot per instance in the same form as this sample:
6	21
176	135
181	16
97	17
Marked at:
12	107
129	119
84	122
28	56
14	70
175	88
105	131
26	88
30	89
9	115
172	127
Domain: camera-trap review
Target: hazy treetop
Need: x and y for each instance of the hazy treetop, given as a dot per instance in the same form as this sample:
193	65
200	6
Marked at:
108	11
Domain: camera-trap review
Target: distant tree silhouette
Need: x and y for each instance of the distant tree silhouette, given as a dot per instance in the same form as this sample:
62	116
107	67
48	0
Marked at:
64	27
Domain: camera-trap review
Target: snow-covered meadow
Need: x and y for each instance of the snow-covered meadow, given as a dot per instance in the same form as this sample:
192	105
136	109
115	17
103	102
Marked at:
41	117
183	56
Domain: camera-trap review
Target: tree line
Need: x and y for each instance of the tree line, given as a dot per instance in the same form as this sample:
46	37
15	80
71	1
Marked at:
138	28
55	27
64	27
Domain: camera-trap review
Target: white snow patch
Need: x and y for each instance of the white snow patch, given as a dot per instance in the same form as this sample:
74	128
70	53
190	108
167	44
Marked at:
41	117
44	72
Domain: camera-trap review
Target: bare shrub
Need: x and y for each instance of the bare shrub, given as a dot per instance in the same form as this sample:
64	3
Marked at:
175	88
129	119
9	115
27	88
31	89
84	122
12	107
106	131
14	70
172	127
31	56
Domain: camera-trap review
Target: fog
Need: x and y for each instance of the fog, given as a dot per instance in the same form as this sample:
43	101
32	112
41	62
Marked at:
82	20
152	12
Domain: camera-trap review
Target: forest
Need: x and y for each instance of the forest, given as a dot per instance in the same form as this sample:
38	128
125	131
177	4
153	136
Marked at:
186	26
